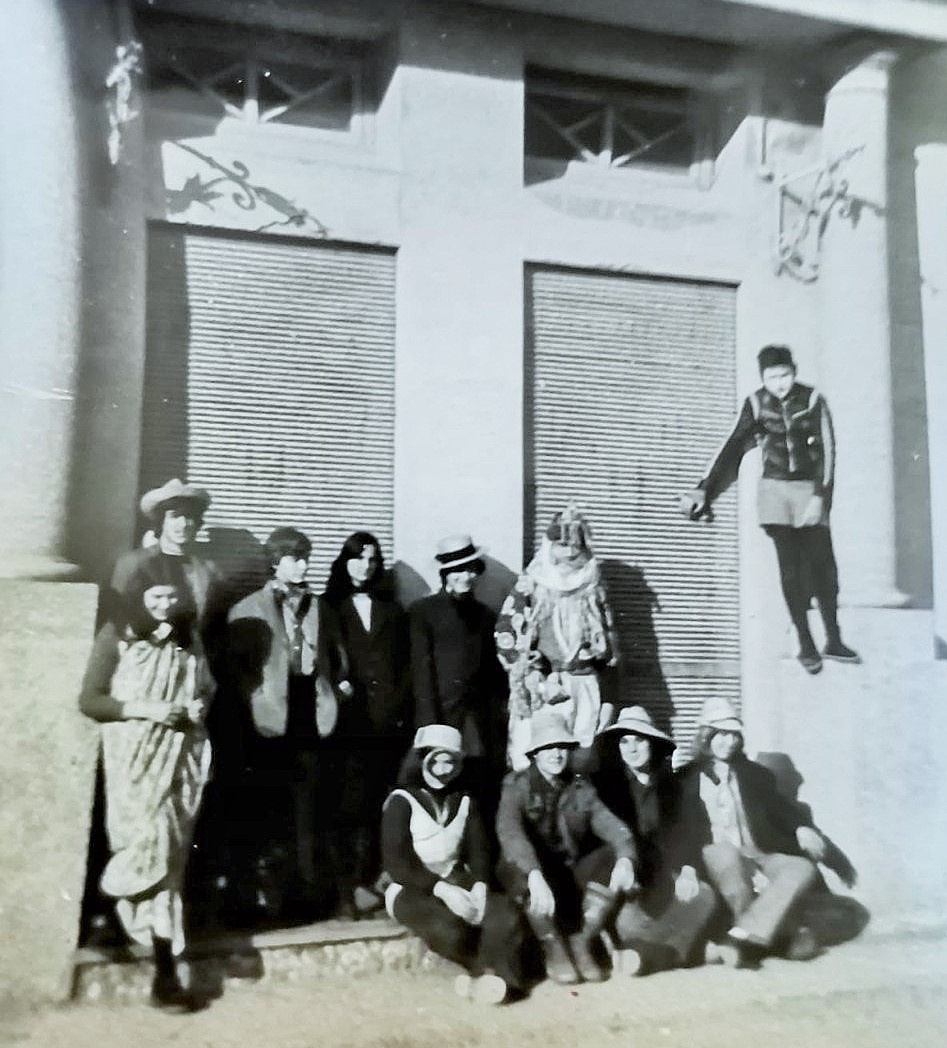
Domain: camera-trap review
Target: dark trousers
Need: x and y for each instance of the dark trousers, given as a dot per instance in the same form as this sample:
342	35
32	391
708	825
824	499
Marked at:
807	568
567	880
669	926
495	946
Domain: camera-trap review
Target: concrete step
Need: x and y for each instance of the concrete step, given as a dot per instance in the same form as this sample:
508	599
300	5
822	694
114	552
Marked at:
236	960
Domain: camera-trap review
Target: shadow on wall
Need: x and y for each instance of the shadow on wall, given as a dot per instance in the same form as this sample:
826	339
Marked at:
638	678
833	918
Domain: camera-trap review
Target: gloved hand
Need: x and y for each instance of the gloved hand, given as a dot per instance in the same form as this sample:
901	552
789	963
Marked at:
811	842
686	886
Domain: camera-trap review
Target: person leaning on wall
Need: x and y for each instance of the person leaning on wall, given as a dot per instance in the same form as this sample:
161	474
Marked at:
792	425
757	848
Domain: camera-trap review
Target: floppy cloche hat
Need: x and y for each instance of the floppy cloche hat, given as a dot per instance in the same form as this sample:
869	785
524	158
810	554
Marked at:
719	713
173	489
635	720
548	728
438	737
456	551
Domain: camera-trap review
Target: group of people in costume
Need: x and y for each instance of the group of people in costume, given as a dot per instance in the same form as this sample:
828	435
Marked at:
423	759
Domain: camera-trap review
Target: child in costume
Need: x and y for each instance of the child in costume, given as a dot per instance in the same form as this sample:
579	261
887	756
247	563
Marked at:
555	636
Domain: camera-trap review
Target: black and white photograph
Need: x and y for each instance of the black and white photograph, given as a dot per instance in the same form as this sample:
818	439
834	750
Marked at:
473	528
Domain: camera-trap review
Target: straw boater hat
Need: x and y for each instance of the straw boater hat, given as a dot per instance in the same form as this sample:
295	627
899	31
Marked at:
438	737
173	490
718	713
548	728
635	720
457	551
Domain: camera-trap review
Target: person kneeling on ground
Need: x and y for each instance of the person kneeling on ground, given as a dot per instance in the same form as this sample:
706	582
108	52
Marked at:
564	856
665	924
758	851
436	852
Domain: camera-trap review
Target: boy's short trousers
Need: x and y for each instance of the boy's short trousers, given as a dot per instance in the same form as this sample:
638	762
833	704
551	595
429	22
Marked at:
785	502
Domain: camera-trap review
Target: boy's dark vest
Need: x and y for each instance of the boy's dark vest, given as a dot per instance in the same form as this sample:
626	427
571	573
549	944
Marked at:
789	433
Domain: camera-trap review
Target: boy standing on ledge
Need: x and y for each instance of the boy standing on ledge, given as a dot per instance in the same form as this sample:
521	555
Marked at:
792	425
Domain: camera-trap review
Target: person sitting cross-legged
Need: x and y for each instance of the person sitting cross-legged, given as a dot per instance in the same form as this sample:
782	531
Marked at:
564	856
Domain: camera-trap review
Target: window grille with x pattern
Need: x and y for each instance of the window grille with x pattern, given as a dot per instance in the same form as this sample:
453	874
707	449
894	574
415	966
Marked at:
609	126
257	80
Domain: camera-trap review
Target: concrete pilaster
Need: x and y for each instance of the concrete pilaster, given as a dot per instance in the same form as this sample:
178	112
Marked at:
459	392
856	366
39	288
931	188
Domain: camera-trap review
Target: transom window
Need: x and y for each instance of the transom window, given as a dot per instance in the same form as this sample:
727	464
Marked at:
264	78
608	124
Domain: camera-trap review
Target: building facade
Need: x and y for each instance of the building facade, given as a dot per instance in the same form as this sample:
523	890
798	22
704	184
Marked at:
424	267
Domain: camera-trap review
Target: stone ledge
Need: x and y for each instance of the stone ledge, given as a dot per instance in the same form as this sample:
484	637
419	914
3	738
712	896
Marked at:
292	955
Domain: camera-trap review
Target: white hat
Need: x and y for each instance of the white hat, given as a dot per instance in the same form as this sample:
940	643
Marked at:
719	713
174	489
635	720
548	728
438	737
456	551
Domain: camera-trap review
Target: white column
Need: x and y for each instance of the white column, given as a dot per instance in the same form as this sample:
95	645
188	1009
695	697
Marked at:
856	366
459	440
931	188
39	288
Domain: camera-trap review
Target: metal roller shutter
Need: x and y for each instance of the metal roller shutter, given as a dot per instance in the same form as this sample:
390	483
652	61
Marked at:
630	381
270	380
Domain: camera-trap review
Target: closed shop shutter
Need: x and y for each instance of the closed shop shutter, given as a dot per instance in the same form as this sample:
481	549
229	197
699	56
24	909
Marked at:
270	380
630	385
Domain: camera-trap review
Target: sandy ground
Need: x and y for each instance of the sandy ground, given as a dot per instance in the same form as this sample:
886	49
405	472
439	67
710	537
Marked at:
863	994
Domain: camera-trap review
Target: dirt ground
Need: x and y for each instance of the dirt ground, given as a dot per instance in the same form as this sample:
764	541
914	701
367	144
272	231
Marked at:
865	994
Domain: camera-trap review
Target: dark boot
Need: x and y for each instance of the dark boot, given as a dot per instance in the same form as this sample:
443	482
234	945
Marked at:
166	989
559	966
598	907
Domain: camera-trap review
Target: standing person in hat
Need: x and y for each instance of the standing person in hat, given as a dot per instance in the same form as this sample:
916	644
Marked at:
665	924
455	675
147	684
176	512
564	856
283	669
436	852
792	425
554	636
362	755
757	848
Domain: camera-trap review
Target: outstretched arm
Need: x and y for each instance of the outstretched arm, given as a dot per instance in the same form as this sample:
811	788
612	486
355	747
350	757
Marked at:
725	465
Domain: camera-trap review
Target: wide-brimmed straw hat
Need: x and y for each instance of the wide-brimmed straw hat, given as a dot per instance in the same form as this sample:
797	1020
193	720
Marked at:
635	720
719	713
438	737
174	490
548	728
457	551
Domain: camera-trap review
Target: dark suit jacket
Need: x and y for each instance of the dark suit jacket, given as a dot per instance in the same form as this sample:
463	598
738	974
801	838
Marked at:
258	660
455	674
377	661
582	821
772	817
